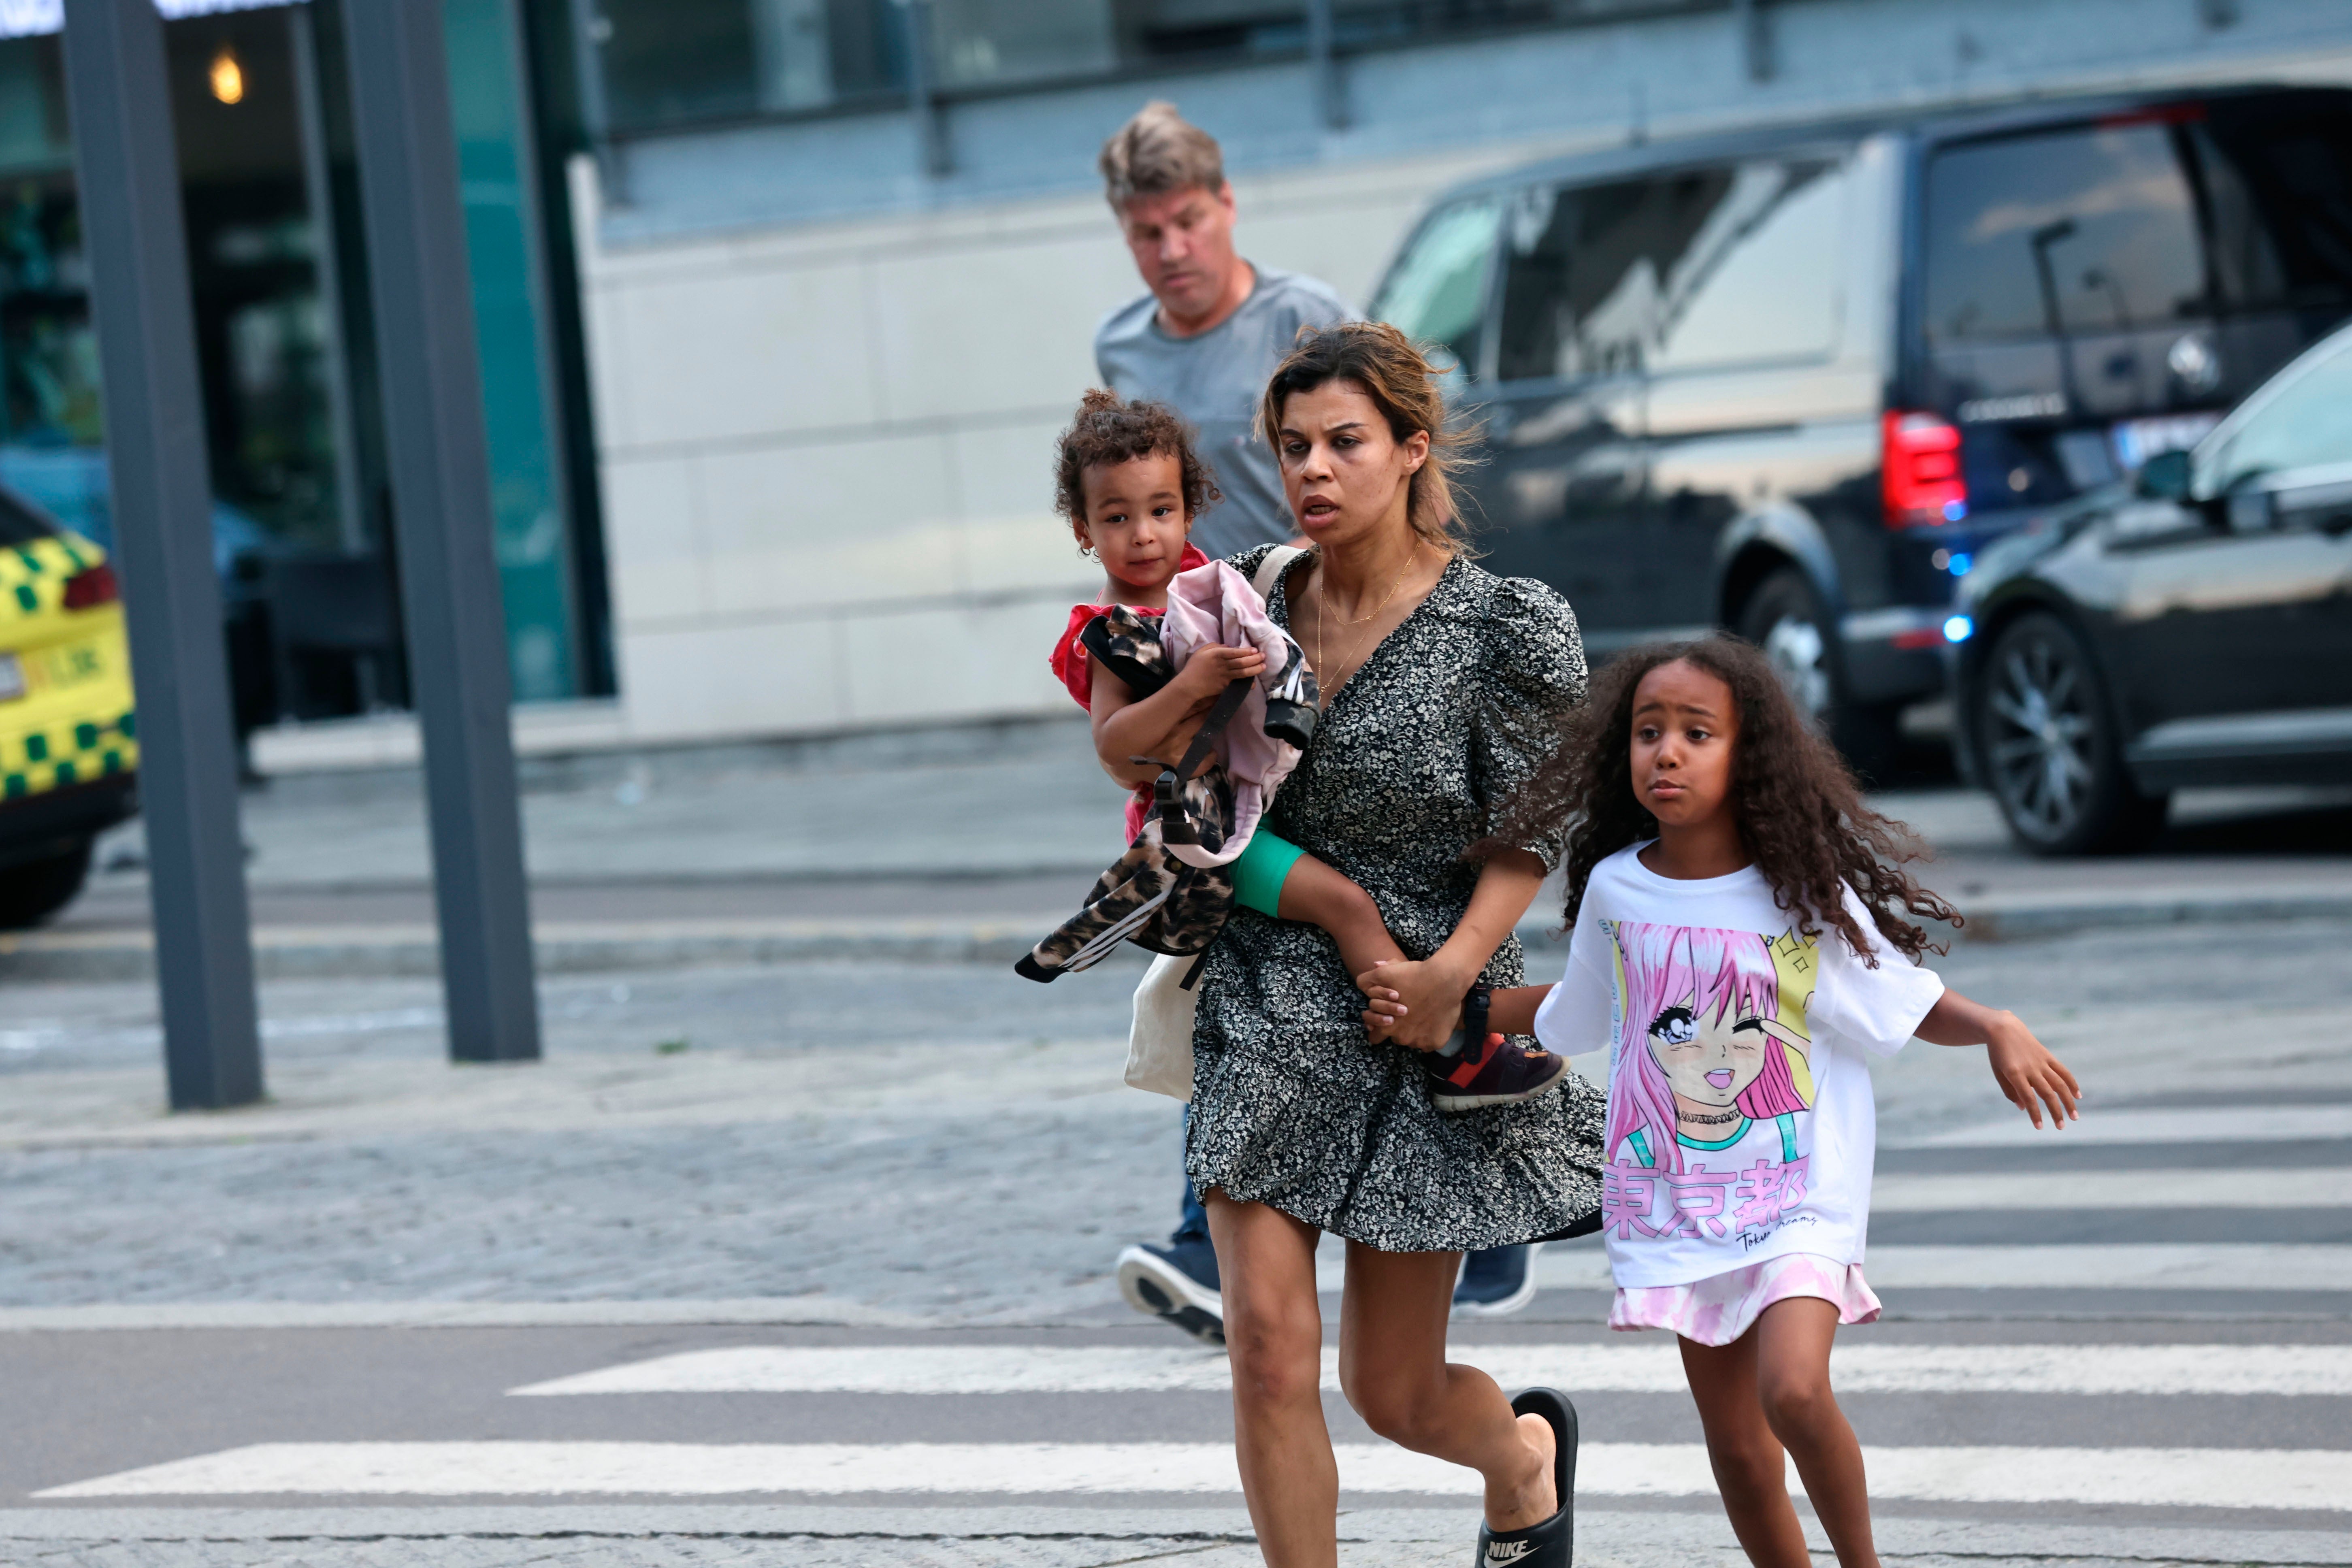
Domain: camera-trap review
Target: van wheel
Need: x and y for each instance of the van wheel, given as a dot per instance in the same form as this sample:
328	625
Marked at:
2045	732
1784	616
33	891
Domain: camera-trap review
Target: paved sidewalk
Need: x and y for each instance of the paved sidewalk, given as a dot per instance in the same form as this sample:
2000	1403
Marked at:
966	845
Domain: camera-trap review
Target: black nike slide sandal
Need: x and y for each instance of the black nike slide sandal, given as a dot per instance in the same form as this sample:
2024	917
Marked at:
1552	1543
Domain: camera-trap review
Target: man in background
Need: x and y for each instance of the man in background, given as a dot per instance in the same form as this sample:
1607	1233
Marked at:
1205	338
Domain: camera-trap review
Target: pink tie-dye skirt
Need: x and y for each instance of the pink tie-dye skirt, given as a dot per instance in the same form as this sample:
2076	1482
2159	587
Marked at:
1719	1310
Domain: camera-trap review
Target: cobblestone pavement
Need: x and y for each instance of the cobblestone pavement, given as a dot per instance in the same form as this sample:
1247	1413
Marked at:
949	1144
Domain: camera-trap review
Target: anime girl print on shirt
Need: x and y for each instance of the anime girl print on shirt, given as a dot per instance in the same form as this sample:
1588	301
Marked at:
1710	1081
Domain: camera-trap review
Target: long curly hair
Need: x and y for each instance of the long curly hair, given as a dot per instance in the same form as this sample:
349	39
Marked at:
1799	812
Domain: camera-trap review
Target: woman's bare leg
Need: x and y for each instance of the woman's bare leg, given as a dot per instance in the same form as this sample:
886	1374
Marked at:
1317	895
1792	1380
1273	1337
1393	1369
1750	1469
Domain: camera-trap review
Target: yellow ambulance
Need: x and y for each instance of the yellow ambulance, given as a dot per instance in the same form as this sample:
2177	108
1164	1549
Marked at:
69	751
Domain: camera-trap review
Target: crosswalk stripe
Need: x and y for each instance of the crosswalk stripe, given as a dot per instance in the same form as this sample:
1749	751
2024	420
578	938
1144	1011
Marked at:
2298	1189
2218	1124
2154	1266
2212	1478
1647	1367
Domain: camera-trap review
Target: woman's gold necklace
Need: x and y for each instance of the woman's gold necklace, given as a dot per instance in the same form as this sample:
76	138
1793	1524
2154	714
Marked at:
1323	670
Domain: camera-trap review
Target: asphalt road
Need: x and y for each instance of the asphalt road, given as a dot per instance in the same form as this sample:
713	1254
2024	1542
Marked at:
860	1226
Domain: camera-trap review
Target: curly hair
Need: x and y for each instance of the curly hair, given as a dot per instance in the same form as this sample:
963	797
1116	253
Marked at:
1107	431
1801	815
1383	363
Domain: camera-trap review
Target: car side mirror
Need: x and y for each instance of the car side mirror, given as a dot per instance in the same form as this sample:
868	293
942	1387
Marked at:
2164	477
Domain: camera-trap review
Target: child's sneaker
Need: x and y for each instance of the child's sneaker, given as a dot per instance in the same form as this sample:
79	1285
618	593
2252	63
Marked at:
1497	1073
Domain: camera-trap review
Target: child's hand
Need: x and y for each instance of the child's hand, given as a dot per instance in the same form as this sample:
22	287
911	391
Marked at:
1420	1004
1382	1007
2029	1074
1210	669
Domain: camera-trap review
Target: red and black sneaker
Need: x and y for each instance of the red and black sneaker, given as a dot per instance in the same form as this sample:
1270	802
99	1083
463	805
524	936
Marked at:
1494	1072
1497	1073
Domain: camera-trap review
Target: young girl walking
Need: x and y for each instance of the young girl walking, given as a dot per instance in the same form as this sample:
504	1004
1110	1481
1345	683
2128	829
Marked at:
1741	943
1129	482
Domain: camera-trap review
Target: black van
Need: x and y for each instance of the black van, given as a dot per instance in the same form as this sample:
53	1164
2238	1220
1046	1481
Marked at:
1789	381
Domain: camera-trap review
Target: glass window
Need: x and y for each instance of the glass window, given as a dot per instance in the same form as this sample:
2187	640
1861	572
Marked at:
670	61
1437	292
1756	276
2278	185
2307	423
19	526
1580	280
1008	40
526	506
677	60
2081	230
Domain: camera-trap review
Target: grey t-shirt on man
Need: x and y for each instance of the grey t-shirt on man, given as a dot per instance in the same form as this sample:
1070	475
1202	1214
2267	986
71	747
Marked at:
1215	381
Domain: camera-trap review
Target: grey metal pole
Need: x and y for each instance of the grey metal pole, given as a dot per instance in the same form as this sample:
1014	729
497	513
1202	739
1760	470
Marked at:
1755	39
441	509
923	90
127	172
1323	64
588	30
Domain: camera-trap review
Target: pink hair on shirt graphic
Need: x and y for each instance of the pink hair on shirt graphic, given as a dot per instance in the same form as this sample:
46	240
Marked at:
1684	988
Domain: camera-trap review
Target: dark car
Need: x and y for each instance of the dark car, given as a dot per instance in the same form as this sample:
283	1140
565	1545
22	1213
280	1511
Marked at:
1793	381
2193	627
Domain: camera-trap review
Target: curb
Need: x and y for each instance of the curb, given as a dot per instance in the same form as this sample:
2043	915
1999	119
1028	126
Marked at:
413	951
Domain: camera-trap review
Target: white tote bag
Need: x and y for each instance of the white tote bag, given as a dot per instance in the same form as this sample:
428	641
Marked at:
1159	1043
1160	1046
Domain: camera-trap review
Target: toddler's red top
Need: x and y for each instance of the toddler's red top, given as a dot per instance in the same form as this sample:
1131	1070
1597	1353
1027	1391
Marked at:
1075	667
1070	662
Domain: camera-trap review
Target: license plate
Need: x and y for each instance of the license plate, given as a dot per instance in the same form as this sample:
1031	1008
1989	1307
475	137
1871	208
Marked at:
12	678
2136	440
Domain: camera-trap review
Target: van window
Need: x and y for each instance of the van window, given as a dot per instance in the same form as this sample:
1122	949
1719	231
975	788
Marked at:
2090	229
1437	292
1756	276
2278	186
1579	280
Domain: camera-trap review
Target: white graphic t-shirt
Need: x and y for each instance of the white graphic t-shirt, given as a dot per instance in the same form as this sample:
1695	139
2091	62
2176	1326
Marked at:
1741	1124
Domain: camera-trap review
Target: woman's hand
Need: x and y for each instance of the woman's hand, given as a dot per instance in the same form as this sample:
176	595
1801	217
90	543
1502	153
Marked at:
1416	1005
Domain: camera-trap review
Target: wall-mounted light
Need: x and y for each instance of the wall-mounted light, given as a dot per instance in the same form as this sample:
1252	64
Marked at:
228	76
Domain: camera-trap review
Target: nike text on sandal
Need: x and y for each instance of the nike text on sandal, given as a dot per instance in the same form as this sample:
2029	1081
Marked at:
1177	1283
1552	1543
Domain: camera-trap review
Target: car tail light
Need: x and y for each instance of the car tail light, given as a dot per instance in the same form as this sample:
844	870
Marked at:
1919	470
91	587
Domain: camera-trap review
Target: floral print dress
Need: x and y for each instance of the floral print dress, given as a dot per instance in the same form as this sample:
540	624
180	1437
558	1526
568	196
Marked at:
1413	760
